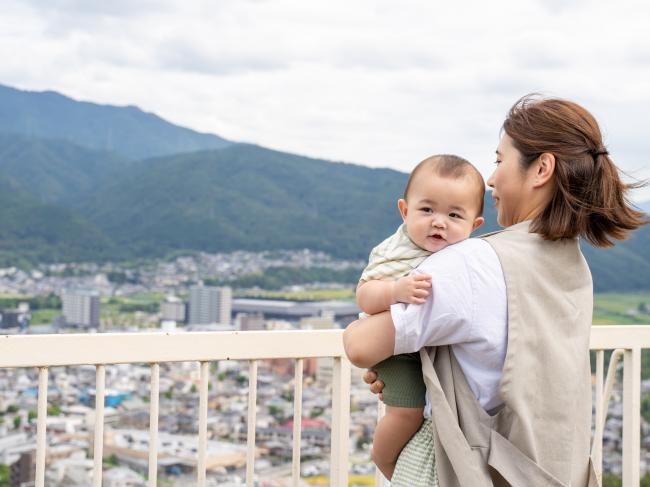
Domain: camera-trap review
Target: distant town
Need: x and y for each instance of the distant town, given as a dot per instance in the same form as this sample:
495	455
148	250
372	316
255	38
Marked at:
184	294
172	296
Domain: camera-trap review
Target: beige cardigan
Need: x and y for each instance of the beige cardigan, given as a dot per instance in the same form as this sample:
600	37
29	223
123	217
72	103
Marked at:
541	436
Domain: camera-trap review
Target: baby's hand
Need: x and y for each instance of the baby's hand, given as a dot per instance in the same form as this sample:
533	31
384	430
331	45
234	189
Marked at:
411	289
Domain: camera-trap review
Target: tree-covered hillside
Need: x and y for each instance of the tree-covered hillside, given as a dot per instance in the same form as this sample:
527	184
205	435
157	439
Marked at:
56	171
247	197
32	231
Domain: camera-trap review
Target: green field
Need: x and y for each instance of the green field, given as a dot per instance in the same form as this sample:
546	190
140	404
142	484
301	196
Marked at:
346	294
11	296
44	316
622	309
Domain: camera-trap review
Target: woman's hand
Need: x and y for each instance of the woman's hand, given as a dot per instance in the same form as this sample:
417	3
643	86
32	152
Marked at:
412	289
376	386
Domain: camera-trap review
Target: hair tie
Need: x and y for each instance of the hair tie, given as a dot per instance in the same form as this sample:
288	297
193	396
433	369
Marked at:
601	152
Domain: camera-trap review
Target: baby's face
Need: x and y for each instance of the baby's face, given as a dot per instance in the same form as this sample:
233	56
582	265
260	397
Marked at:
440	211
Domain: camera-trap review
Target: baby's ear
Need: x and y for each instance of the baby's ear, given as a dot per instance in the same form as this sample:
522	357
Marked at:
402	207
478	221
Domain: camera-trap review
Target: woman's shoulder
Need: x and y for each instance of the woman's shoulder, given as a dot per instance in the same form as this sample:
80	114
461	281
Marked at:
471	253
470	248
470	245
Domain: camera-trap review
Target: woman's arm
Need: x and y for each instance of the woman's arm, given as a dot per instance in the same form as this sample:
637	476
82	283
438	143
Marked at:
371	340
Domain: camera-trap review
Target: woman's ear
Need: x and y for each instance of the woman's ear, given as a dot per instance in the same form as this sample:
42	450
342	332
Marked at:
402	207
544	169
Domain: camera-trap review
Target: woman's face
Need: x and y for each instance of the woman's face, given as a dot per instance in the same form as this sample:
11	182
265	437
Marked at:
508	182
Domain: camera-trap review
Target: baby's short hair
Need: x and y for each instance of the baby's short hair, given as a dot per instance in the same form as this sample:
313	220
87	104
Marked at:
450	166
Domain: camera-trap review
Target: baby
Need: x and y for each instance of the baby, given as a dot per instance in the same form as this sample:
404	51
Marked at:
442	205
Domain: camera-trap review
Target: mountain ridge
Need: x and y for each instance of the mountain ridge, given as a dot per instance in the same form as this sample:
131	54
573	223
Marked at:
242	189
55	170
128	131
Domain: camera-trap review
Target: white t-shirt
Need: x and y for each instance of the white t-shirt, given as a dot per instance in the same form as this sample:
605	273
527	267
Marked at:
467	309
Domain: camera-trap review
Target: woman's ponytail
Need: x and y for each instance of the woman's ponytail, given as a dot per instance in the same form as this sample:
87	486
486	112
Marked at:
590	199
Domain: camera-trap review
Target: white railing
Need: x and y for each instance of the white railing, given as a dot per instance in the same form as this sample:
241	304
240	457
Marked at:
627	342
44	351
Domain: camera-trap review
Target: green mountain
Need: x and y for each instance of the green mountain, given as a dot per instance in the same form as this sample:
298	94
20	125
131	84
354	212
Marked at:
31	231
625	267
56	171
128	131
247	197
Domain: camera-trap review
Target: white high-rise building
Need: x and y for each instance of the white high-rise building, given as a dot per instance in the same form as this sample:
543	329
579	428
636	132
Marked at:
209	305
81	308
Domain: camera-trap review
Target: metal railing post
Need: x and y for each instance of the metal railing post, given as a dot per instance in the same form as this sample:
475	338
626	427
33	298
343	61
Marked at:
297	422
100	385
631	417
252	420
340	439
154	405
201	466
41	445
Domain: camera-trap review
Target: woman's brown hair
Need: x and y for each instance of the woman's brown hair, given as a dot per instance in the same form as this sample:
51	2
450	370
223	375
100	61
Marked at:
590	198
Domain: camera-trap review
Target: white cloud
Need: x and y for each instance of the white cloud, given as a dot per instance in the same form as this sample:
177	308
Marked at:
376	82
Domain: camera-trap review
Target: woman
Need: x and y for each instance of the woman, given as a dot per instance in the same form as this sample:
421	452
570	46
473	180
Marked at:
507	321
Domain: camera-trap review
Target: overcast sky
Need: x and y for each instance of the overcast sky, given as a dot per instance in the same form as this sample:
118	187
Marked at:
375	82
